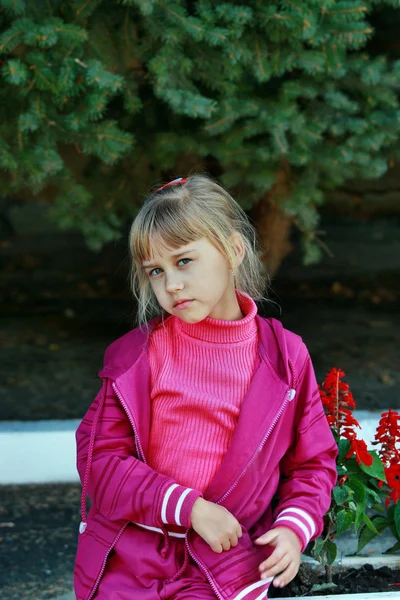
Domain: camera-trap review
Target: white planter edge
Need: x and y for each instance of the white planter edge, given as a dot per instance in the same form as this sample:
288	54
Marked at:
373	596
356	562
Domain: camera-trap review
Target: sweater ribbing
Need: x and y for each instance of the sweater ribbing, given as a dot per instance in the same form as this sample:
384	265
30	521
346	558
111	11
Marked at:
200	374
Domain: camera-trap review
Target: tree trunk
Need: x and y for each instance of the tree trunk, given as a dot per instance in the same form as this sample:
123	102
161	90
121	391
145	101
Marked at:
273	226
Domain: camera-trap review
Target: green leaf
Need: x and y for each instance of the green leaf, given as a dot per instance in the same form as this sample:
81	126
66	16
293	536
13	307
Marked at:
378	508
359	489
372	497
331	551
344	519
28	122
358	518
394	548
370	524
390	512
15	72
317	550
324	587
13	7
98	76
344	447
341	493
366	535
397	518
376	469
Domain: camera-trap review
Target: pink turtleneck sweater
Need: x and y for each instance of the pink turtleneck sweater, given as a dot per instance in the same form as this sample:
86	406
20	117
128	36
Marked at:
200	374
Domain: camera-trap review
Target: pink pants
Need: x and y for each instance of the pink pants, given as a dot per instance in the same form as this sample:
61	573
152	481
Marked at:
141	566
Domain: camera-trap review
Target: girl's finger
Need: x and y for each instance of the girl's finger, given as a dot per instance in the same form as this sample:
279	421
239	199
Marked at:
226	544
279	567
287	576
274	558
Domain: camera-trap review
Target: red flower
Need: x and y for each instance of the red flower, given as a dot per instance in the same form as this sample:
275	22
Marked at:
388	435
393	478
359	448
338	400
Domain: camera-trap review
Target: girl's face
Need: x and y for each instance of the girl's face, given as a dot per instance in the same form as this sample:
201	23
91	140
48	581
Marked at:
197	272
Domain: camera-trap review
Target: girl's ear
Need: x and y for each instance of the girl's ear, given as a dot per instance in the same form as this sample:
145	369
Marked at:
238	248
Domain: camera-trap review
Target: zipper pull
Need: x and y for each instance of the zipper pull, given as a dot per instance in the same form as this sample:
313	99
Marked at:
292	394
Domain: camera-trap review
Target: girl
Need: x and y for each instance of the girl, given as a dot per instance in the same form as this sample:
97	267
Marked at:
206	454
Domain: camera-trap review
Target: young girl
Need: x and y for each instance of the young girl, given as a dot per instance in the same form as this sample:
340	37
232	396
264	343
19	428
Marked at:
206	454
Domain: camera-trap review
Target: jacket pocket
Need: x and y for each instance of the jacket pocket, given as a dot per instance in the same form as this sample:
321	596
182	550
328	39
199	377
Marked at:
94	547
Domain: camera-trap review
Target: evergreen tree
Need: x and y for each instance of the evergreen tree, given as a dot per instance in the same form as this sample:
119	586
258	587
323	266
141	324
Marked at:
280	99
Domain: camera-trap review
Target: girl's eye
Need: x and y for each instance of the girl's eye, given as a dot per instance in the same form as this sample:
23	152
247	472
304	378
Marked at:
189	259
157	268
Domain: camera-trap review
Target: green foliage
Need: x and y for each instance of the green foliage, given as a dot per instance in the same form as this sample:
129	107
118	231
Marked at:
115	95
362	475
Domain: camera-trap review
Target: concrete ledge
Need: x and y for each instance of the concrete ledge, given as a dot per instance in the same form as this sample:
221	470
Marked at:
38	452
373	596
356	562
44	451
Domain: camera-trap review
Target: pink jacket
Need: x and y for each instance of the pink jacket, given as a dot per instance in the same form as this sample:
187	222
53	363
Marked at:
279	469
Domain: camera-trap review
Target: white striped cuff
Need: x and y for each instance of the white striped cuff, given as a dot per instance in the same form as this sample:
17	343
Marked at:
177	505
299	521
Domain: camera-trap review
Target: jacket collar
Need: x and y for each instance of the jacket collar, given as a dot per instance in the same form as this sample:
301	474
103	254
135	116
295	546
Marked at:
126	362
122	354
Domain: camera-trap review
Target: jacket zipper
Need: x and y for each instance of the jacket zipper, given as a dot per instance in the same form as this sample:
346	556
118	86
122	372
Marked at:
140	454
138	445
276	419
105	560
206	572
195	558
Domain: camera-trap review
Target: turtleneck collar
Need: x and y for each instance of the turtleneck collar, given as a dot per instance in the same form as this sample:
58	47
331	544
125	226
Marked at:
221	331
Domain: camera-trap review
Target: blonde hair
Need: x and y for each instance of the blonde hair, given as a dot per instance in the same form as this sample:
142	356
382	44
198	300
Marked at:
180	214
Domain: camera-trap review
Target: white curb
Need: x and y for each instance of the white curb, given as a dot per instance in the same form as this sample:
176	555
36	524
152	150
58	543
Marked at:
38	452
373	596
356	562
45	451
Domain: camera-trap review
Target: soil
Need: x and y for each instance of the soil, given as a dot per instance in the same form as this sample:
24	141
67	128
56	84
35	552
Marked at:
38	536
63	304
347	581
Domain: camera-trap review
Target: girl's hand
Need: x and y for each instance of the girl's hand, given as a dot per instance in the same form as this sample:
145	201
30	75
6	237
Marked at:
285	559
216	525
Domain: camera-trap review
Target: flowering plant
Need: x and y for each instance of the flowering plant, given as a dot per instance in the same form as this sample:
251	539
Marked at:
368	480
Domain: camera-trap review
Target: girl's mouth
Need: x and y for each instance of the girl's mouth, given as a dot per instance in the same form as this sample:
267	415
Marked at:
183	305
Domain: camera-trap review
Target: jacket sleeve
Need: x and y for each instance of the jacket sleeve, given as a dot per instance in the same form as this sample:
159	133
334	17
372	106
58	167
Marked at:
308	469
120	484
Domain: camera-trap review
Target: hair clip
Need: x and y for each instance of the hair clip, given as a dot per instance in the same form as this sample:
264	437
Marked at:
180	180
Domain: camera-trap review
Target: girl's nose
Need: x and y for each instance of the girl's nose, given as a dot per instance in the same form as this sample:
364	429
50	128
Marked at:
173	283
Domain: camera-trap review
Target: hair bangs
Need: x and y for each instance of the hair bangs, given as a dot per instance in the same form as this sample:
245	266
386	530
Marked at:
166	225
